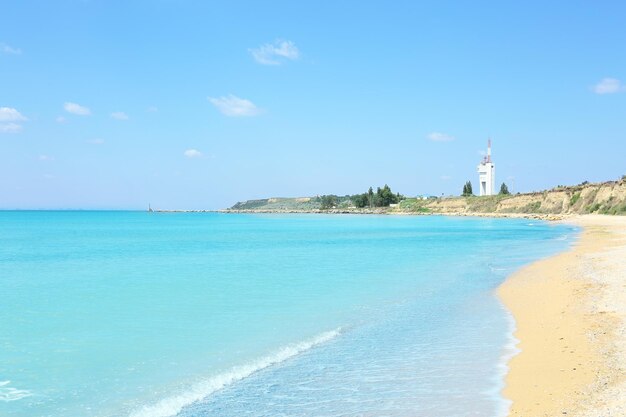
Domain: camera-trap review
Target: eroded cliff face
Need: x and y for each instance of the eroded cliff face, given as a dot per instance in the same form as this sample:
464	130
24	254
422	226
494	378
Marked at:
603	198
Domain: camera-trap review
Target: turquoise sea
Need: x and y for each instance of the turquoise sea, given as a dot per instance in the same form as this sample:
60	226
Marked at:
196	314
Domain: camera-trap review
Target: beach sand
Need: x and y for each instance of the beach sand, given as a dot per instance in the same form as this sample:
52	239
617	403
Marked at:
570	312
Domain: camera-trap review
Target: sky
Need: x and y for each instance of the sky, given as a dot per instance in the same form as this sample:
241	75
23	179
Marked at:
197	104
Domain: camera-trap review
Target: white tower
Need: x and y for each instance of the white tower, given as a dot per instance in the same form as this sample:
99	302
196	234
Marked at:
487	174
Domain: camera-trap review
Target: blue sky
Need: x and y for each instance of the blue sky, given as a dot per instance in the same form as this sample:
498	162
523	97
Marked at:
193	104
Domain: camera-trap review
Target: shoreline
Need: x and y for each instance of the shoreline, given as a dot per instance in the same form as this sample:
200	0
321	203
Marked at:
570	314
385	212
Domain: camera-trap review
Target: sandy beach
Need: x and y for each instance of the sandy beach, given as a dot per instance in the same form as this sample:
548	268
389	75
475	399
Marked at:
570	312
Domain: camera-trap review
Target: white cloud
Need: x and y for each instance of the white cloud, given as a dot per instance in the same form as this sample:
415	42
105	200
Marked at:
192	153
45	158
439	137
119	115
76	109
446	177
10	128
7	49
152	109
275	53
609	86
9	114
9	120
61	119
96	141
234	106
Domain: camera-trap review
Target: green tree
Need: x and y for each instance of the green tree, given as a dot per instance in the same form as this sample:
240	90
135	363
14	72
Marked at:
383	197
504	190
386	197
328	202
370	197
467	189
376	200
360	200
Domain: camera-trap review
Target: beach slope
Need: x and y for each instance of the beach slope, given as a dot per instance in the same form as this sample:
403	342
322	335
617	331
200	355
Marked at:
570	312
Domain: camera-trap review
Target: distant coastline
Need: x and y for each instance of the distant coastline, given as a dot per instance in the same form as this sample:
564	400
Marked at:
555	204
602	198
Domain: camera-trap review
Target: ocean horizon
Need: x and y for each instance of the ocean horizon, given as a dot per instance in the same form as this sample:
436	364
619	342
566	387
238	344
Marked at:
128	313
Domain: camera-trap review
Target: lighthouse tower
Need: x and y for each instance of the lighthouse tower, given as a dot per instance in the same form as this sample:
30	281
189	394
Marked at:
487	173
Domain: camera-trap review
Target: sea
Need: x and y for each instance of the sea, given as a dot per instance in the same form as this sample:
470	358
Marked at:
137	314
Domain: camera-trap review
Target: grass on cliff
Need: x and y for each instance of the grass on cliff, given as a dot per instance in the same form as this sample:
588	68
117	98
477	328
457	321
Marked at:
414	205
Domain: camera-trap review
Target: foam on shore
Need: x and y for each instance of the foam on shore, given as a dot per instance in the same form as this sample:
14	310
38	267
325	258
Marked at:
509	351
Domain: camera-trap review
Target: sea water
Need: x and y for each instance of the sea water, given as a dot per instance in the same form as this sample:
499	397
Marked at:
202	314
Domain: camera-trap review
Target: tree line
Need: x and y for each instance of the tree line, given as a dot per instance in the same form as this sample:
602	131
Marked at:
383	197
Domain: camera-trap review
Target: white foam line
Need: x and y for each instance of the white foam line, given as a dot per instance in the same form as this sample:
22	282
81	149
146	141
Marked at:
171	406
12	394
510	350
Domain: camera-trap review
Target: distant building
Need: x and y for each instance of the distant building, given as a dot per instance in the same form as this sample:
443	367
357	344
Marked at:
487	174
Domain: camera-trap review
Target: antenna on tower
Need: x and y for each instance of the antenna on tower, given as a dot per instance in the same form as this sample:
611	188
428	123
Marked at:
489	150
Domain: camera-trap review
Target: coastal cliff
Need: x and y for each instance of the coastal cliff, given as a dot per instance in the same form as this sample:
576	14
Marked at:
601	198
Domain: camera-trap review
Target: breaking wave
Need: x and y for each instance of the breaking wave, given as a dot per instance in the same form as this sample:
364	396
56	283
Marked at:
12	394
171	406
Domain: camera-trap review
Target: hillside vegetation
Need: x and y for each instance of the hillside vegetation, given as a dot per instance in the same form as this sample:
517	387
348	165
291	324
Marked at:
383	197
602	198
